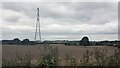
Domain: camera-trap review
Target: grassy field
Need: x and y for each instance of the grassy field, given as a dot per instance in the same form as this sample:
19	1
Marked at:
60	55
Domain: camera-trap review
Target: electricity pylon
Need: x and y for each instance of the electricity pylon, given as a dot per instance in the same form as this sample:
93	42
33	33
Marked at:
37	31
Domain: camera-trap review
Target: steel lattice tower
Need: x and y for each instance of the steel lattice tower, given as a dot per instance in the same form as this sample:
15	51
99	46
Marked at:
37	31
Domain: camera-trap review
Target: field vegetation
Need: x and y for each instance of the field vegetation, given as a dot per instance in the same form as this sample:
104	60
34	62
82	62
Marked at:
60	55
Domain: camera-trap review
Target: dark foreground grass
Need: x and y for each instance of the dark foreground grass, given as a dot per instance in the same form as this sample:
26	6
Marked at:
50	59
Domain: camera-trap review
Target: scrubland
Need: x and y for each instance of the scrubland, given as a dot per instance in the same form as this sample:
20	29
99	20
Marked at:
60	55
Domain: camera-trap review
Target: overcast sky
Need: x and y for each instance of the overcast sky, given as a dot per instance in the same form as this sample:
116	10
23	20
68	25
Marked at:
61	20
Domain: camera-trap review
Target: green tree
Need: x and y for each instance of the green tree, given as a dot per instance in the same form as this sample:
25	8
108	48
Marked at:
25	41
85	41
16	41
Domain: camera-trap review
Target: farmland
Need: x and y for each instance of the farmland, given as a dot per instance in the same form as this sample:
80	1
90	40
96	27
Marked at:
61	55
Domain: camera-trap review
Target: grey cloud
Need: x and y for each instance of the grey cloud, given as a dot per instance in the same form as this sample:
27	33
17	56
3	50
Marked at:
12	19
83	12
26	8
64	14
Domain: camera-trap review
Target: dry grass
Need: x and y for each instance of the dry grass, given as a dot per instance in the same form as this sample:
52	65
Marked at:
54	55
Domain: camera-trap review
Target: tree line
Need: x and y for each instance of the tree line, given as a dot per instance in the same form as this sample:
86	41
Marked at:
17	41
83	42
